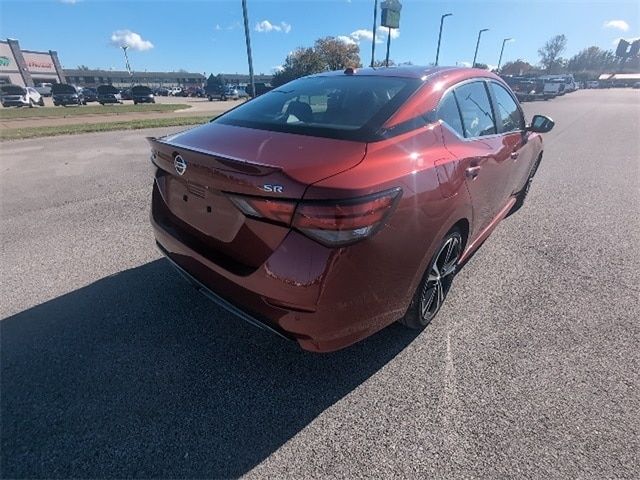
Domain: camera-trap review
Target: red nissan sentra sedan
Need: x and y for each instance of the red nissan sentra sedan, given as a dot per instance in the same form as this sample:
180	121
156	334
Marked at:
339	203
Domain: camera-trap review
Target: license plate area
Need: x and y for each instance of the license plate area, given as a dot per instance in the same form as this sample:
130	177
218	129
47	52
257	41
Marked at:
209	212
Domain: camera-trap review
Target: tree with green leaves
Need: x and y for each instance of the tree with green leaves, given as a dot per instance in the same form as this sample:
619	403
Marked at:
516	67
550	53
327	53
299	63
592	59
337	54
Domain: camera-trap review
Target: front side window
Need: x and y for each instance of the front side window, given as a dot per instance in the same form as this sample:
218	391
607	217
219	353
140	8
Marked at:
510	117
475	109
448	112
349	107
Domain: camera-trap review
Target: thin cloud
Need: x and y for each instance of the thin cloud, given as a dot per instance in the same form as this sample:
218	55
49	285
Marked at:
265	26
617	24
345	39
133	40
364	34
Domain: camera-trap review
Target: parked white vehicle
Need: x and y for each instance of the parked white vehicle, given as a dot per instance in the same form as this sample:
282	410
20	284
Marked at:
553	88
17	96
174	91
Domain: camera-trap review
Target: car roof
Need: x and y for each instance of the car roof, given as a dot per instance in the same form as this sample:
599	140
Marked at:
408	71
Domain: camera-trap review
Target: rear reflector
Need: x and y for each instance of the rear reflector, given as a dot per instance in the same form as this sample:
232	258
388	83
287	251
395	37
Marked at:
333	223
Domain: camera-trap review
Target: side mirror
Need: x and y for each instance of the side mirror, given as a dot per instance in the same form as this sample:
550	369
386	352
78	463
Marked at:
540	124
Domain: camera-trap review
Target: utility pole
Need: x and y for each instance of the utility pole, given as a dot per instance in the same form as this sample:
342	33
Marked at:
373	42
475	56
502	51
440	35
248	41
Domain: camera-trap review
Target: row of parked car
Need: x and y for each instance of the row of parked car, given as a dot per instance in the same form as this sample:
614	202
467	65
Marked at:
529	88
64	95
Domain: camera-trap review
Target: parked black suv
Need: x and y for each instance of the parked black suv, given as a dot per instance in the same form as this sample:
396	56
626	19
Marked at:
142	94
108	94
90	94
65	94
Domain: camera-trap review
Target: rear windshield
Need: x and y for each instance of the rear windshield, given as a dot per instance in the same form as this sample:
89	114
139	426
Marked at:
62	88
12	90
346	107
107	89
140	90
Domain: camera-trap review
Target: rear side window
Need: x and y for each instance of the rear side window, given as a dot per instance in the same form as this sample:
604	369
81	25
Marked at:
477	116
448	112
349	107
510	117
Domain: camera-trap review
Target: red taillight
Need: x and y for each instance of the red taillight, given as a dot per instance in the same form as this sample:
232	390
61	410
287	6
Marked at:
276	210
332	223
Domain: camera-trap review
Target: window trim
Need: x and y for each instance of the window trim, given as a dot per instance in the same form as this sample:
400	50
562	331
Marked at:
497	113
484	80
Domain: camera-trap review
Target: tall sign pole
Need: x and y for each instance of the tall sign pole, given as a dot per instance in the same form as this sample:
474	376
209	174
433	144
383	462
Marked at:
248	41
390	18
373	42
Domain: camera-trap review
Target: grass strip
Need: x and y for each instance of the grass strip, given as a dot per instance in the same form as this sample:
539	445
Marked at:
14	113
36	132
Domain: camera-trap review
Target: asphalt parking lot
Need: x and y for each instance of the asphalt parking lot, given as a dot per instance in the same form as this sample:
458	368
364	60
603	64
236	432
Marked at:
112	366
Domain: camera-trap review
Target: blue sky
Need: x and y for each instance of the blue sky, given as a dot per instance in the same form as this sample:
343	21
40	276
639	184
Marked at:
207	36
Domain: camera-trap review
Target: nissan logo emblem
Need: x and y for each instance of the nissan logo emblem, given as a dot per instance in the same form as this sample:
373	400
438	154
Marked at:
180	165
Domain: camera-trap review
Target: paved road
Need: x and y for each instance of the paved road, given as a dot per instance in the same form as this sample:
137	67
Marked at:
113	367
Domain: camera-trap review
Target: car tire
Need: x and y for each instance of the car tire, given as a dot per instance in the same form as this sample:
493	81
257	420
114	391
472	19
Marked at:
41	102
521	196
436	282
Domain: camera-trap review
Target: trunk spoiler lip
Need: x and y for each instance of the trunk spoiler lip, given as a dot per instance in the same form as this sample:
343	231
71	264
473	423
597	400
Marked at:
229	162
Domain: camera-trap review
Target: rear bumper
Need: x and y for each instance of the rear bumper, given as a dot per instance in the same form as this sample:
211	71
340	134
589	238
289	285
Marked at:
66	101
323	298
14	103
231	308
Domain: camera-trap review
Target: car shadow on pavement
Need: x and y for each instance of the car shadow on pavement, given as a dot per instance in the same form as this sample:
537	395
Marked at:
138	375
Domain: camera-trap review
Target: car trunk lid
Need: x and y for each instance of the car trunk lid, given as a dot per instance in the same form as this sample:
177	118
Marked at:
203	169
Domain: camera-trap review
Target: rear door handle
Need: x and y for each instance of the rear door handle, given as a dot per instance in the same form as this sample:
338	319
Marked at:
472	172
515	155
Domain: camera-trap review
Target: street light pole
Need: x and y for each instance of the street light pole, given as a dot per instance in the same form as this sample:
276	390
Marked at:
373	42
502	51
248	41
475	56
440	35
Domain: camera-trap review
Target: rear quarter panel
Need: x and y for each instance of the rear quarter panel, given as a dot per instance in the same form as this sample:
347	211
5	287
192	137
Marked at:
433	200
